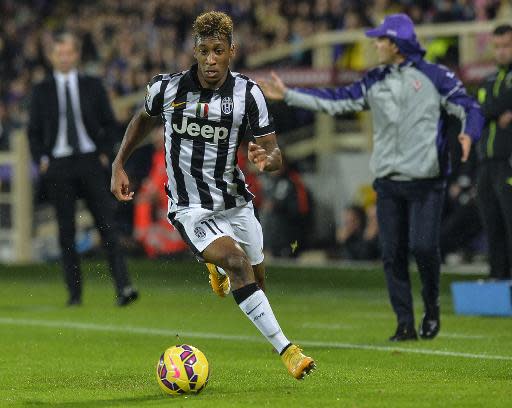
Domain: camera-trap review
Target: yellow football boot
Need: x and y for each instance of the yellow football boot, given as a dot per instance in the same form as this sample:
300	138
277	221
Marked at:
218	281
298	364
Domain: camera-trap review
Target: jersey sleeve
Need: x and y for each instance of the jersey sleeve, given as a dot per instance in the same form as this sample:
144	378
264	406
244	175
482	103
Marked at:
334	101
155	96
260	120
458	103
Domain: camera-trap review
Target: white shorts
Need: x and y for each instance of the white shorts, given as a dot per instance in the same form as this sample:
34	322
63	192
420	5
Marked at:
199	227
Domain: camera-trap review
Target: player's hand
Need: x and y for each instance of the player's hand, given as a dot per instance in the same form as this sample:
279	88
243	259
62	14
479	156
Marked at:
505	119
465	143
257	155
120	184
273	88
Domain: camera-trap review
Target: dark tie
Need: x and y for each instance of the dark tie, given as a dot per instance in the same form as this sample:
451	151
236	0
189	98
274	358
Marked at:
71	128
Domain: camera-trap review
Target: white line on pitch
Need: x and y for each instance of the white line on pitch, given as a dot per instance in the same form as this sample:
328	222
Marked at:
463	336
326	326
218	336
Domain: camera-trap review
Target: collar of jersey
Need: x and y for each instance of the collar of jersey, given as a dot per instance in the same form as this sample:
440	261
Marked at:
195	79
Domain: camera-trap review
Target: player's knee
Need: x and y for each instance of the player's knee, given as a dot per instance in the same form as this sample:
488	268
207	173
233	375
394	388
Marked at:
237	262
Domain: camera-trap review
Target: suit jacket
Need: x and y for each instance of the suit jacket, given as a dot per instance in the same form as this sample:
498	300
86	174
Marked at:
97	116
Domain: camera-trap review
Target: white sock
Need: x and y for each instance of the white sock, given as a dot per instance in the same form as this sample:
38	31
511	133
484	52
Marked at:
258	310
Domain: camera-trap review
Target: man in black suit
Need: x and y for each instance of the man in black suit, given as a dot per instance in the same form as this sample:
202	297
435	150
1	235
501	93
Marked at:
70	134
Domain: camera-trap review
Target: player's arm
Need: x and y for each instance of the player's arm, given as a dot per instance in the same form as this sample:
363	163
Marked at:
35	130
144	121
138	128
265	153
333	101
459	104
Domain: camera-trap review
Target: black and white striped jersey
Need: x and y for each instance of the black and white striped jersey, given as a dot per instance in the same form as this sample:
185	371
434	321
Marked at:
203	129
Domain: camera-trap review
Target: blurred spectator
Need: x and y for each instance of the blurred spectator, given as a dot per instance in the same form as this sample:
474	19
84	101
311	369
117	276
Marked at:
285	212
461	225
6	128
379	9
351	56
70	135
357	236
495	154
151	225
127	42
349	235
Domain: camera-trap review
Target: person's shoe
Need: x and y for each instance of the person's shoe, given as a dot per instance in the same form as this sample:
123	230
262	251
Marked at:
220	283
72	302
430	324
404	333
298	364
127	296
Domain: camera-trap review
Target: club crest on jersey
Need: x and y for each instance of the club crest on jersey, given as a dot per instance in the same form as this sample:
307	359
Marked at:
226	105
200	232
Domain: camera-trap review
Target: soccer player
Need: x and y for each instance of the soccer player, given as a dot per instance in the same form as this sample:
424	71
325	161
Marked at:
409	99
206	111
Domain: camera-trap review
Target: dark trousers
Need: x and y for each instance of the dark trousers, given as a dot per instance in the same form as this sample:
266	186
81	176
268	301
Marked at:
494	186
409	217
82	176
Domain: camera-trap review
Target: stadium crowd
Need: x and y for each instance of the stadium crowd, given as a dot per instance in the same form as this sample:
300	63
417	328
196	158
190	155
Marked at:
126	42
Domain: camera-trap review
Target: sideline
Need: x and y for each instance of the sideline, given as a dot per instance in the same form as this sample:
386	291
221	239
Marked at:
61	324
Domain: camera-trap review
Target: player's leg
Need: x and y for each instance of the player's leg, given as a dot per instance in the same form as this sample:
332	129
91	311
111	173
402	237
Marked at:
220	283
101	205
63	195
504	195
392	219
211	237
493	221
259	275
248	233
219	280
226	253
425	225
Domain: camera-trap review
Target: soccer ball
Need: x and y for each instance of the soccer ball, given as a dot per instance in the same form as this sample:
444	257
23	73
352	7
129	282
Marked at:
182	369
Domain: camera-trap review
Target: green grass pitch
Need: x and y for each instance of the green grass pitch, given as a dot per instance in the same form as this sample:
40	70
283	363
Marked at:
99	355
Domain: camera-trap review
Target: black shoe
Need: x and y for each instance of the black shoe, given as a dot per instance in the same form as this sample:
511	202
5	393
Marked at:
127	296
430	325
404	333
72	302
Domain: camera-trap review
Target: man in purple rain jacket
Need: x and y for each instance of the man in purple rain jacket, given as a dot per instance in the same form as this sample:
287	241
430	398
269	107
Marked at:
410	100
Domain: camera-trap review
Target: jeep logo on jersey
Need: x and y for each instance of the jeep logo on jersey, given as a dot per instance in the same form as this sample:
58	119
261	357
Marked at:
192	128
226	105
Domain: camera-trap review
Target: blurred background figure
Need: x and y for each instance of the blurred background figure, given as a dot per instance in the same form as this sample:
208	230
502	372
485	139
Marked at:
357	236
151	226
285	212
70	132
495	153
127	42
461	229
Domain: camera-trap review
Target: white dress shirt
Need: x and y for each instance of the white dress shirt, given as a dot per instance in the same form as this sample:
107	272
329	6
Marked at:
62	147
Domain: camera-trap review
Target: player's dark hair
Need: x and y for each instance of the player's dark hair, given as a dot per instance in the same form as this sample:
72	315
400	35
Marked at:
502	29
213	24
